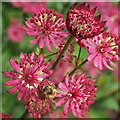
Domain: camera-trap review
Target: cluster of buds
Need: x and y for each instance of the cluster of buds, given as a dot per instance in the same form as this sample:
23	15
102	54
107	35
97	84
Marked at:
31	76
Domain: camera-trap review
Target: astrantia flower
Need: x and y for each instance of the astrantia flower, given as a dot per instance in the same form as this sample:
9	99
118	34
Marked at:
81	22
28	74
39	107
76	93
103	50
47	26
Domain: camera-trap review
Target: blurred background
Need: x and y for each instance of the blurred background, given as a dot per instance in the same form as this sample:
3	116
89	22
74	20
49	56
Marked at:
15	40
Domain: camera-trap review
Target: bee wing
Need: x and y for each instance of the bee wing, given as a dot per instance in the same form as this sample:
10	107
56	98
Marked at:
62	91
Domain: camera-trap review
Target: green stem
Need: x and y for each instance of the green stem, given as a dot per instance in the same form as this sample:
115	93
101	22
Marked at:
63	50
79	52
51	55
78	67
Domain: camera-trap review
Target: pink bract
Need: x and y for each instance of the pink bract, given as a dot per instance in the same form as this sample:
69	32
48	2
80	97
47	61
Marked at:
81	22
76	93
47	26
27	75
103	50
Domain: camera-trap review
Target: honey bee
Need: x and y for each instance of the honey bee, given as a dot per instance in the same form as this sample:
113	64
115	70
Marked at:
49	90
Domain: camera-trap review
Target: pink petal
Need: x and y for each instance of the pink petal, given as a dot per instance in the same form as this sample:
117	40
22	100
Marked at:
22	55
41	42
14	64
53	41
9	73
66	80
73	109
91	56
20	94
12	82
100	62
106	65
33	41
61	101
63	87
66	107
13	89
96	61
48	44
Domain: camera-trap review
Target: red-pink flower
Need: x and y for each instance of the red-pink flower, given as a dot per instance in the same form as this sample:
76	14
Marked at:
103	50
27	75
47	26
76	93
81	22
15	31
39	107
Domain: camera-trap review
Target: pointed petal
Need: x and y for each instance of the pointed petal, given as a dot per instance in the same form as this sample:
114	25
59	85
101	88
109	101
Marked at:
102	24
91	56
33	41
93	11
106	65
61	101
14	64
73	109
66	107
48	44
97	18
41	42
96	61
12	82
63	87
13	89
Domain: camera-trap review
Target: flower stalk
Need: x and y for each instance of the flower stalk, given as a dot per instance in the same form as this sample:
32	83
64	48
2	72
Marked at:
78	67
64	49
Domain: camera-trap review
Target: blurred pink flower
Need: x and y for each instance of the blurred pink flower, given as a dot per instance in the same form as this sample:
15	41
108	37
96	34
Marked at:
39	107
56	114
61	69
67	56
109	13
47	26
81	22
30	72
15	31
103	50
5	116
30	6
76	93
92	70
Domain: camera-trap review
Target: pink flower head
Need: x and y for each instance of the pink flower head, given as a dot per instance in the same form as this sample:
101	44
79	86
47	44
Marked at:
47	26
15	31
30	72
5	116
81	22
39	107
103	50
30	5
76	93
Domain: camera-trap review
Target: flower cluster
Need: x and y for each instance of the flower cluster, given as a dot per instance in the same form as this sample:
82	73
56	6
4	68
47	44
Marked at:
44	83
